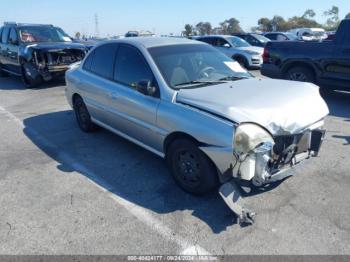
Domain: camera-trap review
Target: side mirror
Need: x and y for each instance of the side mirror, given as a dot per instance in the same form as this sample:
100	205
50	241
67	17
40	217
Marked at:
226	45
145	87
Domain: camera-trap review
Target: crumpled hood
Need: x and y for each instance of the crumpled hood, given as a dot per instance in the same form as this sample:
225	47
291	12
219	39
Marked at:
282	107
56	46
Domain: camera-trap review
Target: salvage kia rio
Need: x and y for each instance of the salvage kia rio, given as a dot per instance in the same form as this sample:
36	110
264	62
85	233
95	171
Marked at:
210	119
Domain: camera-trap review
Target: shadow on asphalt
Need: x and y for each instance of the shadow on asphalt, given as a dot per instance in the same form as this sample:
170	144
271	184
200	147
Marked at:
339	104
131	172
122	168
15	83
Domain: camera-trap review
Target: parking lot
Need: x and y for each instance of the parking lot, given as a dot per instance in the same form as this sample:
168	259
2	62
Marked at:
67	192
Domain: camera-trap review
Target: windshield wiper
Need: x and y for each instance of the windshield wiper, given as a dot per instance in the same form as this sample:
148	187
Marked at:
233	78
191	83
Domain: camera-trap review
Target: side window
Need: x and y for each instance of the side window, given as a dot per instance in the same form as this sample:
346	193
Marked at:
88	61
13	38
103	60
222	43
281	37
252	40
4	36
271	36
208	40
131	67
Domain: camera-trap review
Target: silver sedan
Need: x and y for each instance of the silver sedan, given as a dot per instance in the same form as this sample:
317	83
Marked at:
210	119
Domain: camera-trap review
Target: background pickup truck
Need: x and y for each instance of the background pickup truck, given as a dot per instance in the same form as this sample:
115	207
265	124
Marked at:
325	63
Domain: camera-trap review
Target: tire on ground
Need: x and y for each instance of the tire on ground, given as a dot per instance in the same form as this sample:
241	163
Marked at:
300	73
207	172
83	116
29	81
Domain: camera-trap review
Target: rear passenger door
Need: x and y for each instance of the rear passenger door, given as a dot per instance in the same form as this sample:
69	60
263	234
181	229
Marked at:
96	84
135	112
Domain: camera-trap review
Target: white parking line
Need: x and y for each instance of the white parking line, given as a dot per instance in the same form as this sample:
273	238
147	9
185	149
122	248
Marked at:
140	213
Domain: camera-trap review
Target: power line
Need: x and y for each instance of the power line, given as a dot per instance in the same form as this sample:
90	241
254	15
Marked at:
97	30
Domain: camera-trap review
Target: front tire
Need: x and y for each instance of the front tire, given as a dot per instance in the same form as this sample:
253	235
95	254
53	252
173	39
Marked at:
301	74
193	171
28	81
242	61
83	116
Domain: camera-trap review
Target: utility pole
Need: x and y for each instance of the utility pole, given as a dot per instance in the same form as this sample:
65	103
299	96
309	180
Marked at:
97	30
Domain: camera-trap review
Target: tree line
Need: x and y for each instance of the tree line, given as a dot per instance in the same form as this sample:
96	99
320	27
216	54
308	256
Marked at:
276	23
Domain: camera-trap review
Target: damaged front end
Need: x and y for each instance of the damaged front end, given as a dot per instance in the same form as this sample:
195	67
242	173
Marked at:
262	159
47	64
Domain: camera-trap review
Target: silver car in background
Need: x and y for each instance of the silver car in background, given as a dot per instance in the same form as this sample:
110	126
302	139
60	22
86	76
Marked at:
210	119
237	48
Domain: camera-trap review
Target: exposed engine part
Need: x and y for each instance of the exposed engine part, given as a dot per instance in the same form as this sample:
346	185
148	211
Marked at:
230	192
64	57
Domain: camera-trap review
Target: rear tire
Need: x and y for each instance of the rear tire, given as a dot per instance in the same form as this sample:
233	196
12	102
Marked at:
301	74
192	170
83	116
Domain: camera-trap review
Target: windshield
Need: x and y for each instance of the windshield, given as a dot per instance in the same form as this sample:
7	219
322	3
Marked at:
261	38
237	41
291	36
29	34
195	65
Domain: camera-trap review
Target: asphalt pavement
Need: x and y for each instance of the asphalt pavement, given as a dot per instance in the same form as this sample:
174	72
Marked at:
67	192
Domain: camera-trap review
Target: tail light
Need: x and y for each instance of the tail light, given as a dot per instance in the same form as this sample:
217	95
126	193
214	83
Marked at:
266	55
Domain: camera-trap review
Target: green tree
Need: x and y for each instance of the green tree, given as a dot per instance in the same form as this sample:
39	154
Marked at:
188	30
77	35
204	28
309	13
265	24
233	26
333	18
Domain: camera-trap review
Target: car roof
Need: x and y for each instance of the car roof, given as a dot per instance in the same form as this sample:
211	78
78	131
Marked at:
210	36
149	42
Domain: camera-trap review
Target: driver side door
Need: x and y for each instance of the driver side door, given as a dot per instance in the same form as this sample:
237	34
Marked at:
136	111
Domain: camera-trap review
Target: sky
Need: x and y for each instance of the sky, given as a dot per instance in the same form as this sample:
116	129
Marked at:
160	16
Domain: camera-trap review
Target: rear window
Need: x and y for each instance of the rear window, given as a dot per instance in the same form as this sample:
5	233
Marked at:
88	61
102	63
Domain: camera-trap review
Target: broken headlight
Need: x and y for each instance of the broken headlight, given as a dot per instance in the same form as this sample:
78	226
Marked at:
250	137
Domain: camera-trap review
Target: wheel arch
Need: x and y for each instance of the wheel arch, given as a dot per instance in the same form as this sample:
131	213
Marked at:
304	64
74	97
177	135
242	57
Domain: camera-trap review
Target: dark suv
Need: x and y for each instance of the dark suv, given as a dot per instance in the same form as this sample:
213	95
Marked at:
37	53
